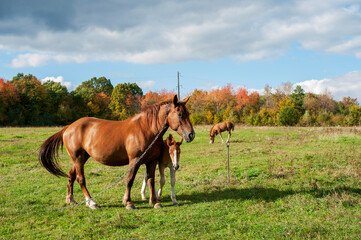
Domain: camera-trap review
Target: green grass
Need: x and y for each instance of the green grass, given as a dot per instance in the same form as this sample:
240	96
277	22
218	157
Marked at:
286	183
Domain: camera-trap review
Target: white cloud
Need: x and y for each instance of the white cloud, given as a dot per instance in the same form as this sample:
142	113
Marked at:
344	85
60	80
29	60
168	32
146	84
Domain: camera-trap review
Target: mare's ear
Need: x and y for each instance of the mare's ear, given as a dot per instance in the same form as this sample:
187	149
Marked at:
175	100
186	100
180	142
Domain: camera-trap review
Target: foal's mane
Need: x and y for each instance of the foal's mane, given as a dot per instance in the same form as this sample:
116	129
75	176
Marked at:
210	132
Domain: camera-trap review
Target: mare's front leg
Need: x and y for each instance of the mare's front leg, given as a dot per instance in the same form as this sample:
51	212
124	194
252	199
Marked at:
172	183
142	192
153	200
133	169
161	181
220	134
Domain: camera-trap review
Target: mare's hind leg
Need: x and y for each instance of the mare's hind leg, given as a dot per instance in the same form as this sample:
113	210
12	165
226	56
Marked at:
79	162
153	200
71	178
133	169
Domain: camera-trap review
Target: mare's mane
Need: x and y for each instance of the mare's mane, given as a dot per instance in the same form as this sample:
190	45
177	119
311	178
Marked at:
152	110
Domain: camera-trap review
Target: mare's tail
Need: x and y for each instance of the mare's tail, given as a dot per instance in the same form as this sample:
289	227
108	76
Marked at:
48	153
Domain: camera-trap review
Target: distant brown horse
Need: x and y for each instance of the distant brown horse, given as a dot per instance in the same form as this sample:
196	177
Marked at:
221	127
117	143
170	158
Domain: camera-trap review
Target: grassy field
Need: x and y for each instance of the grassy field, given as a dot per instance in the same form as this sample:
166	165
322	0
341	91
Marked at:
286	183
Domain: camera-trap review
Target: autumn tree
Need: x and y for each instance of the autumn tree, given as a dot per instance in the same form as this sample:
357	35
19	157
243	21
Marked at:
196	106
242	99
218	100
151	98
286	88
9	102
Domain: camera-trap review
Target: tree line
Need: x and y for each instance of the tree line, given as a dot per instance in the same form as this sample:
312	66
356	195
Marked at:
26	101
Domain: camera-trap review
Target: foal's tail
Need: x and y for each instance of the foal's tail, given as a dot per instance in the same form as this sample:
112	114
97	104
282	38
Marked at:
232	126
48	153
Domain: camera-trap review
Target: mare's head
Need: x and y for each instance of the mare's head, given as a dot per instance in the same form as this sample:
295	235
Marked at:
174	150
178	119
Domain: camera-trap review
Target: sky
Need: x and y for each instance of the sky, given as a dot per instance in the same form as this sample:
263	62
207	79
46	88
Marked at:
247	43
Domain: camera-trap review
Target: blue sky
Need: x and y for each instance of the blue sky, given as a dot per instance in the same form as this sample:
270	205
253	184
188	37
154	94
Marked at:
211	43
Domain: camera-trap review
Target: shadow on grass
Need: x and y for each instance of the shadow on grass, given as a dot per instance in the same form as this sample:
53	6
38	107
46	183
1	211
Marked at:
261	193
265	194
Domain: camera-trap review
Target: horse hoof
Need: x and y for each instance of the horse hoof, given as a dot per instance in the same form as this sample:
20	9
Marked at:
70	200
144	198
130	207
175	204
158	205
94	206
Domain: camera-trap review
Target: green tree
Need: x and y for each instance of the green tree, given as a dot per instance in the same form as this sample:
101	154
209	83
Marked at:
298	98
57	92
353	118
93	86
60	101
288	116
87	93
125	100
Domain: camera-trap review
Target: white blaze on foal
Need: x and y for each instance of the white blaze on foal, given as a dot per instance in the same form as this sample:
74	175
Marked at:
169	158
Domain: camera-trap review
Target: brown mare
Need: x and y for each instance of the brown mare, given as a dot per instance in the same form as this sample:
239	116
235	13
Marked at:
221	127
170	158
117	143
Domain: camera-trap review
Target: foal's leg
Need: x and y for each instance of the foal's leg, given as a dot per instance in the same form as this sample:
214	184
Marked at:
220	134
229	135
153	195
79	166
172	183
133	169
71	178
161	181
142	192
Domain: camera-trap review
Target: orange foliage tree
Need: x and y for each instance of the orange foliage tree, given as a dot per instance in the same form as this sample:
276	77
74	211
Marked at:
8	101
151	98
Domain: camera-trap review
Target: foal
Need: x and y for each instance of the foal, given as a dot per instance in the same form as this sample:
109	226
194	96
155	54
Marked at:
169	158
221	127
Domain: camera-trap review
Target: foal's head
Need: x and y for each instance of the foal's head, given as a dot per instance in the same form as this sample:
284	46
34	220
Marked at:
178	119
212	135
174	150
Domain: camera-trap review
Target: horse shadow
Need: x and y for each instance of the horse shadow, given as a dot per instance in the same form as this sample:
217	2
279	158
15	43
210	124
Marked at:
260	193
244	194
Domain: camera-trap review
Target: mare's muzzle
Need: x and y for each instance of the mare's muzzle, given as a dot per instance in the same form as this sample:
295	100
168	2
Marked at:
189	137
